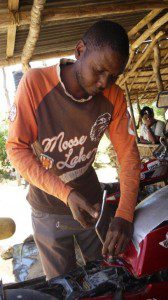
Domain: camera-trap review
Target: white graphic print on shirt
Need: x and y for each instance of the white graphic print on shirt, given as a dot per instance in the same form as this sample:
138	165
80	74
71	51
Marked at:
70	162
100	126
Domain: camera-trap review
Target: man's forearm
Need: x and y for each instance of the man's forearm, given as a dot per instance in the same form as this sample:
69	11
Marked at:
32	170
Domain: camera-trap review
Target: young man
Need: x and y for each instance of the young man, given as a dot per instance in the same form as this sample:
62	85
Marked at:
151	129
67	108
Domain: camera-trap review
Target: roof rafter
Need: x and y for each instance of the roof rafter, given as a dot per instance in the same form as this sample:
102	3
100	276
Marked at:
144	22
156	63
149	31
143	58
83	11
13	6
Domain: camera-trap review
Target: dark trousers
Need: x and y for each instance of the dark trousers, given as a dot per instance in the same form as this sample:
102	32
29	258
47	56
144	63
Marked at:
54	237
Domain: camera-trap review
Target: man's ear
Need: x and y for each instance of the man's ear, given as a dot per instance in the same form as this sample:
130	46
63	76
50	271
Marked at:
79	49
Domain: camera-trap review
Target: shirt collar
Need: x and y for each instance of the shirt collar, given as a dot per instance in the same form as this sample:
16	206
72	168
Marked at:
65	61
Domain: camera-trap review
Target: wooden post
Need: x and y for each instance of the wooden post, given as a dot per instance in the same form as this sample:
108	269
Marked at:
34	31
6	90
156	63
131	110
139	111
13	6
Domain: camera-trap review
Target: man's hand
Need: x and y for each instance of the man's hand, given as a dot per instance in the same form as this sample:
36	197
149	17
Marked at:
82	211
118	236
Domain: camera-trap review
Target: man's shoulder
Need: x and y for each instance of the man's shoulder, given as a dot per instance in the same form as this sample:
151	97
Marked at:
159	127
160	123
113	88
39	75
114	93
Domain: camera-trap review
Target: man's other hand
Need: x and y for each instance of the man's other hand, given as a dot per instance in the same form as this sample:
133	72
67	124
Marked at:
118	236
82	211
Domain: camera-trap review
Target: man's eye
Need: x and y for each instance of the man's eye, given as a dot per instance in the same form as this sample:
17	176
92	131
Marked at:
97	71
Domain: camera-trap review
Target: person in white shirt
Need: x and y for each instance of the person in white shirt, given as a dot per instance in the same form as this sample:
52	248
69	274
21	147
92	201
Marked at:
151	129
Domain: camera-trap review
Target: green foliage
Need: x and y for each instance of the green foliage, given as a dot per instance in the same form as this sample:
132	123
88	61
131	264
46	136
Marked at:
3	157
4	175
159	113
5	166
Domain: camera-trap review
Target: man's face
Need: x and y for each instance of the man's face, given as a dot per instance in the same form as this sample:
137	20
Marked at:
97	69
147	119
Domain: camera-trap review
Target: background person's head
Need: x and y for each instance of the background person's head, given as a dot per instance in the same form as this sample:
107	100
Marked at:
101	56
147	115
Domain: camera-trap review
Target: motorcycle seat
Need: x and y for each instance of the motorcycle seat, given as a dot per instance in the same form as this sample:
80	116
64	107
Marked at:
149	214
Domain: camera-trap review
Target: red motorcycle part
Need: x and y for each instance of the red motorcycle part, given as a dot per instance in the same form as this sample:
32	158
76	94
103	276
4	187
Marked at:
147	262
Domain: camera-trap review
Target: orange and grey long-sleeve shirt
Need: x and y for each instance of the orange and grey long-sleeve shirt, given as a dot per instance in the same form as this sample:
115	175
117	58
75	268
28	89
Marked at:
69	132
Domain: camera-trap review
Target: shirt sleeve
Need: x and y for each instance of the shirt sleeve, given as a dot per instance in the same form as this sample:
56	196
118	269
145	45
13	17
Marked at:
22	133
159	128
123	139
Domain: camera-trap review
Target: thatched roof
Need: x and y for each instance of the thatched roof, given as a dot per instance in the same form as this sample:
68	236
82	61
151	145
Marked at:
54	27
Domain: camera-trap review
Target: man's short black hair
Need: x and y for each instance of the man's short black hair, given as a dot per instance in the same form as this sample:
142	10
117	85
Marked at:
107	33
147	110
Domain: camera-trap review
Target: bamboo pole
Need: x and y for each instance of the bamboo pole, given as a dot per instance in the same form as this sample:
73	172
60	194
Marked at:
139	112
149	31
6	90
144	22
152	77
156	64
133	81
34	31
133	31
141	91
143	58
84	11
131	110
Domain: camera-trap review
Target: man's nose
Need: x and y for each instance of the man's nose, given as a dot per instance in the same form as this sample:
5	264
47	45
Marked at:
102	82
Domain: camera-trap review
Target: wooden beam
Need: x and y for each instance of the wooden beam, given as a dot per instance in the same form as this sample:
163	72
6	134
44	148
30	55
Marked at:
152	76
41	56
133	81
134	92
144	22
13	6
156	63
134	30
82	11
149	31
143	58
34	31
131	110
6	90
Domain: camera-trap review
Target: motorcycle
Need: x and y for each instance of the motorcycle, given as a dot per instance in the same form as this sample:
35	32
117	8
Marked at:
152	171
140	273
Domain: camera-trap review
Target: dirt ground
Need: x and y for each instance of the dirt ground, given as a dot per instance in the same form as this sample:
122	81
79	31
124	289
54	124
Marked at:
13	204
